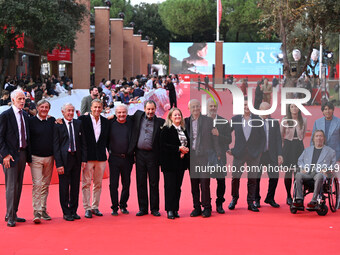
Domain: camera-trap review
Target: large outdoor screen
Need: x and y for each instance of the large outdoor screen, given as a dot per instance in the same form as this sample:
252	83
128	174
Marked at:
192	58
251	58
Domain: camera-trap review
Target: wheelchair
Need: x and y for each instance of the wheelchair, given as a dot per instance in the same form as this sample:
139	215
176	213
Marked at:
329	191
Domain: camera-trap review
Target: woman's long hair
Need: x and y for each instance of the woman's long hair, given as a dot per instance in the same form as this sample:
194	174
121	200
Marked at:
289	116
168	122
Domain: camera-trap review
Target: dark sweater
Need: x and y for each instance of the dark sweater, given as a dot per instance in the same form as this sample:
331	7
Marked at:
41	136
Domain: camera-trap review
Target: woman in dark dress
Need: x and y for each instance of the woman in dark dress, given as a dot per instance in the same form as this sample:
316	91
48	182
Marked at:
174	159
292	143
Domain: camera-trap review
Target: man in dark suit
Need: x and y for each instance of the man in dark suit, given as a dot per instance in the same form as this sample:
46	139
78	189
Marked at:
146	145
14	153
202	142
70	155
223	134
172	92
96	131
249	145
271	157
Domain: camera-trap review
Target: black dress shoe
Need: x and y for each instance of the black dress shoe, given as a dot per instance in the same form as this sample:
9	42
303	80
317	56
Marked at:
196	212
156	213
76	216
253	208
206	213
10	223
97	212
171	215
141	213
176	214
272	203
312	205
219	209
88	214
298	203
68	217
232	204
114	213
289	201
17	219
257	204
124	210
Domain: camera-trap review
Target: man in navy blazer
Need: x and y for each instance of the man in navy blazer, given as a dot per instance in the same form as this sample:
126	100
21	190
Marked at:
249	144
331	126
14	153
271	157
314	162
70	154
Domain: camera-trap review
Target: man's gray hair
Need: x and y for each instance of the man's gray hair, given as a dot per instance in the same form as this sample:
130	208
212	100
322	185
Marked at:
43	101
193	101
16	92
121	106
96	100
65	105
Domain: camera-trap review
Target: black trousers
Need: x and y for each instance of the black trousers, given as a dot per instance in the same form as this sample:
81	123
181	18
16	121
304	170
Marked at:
173	100
220	191
120	167
236	175
172	189
273	178
69	185
147	165
13	179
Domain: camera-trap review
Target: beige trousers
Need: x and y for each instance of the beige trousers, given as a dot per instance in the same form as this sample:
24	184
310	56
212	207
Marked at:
41	169
95	169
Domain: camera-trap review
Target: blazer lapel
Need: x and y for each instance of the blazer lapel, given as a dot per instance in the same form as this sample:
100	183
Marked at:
332	127
322	155
14	123
155	128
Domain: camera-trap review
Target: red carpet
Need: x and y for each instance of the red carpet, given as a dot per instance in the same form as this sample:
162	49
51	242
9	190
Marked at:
272	231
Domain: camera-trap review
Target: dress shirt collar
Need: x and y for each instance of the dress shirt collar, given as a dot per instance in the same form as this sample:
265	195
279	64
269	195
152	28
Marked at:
94	119
15	109
39	118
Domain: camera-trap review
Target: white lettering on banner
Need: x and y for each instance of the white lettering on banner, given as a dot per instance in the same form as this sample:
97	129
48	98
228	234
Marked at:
260	56
274	58
247	57
256	122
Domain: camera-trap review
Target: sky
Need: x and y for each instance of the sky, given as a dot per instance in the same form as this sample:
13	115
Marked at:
133	2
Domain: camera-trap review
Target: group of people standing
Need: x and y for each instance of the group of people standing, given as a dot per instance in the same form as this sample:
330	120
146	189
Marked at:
175	144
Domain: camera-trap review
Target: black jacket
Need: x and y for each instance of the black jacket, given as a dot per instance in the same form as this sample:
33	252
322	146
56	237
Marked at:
96	151
223	139
158	123
275	141
256	142
61	143
170	154
9	137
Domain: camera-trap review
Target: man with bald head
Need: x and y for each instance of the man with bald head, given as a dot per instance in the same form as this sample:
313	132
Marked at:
14	153
271	157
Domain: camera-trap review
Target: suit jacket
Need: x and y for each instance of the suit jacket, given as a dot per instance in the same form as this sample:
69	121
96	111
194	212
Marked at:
224	139
158	123
9	137
170	154
61	143
205	141
326	158
96	151
275	141
333	139
254	145
171	87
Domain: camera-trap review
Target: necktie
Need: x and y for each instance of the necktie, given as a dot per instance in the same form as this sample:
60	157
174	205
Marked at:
71	137
267	135
22	131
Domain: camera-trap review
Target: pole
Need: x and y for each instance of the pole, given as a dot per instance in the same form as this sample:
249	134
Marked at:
217	23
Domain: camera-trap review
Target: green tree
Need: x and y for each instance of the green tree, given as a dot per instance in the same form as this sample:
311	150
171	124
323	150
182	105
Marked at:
147	19
117	6
298	24
192	19
48	23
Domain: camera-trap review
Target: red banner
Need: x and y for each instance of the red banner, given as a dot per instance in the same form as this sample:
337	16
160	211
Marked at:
59	55
219	12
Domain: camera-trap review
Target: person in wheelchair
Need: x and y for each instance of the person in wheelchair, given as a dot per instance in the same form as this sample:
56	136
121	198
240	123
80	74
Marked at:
316	163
